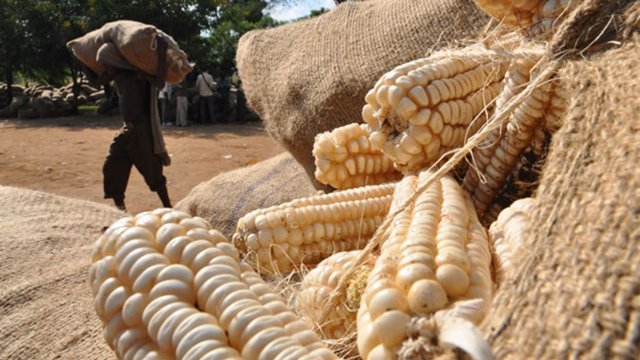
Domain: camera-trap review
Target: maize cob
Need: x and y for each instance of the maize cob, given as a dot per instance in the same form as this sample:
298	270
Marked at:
497	157
535	16
507	236
523	181
436	254
308	230
423	109
317	286
344	159
556	108
166	285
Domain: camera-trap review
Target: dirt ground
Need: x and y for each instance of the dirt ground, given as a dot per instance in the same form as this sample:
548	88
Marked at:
64	156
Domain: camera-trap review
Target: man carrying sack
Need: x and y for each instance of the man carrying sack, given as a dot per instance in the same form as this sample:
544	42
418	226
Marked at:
139	142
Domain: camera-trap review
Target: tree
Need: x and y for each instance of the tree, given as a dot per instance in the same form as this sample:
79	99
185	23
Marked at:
34	33
232	20
184	20
12	38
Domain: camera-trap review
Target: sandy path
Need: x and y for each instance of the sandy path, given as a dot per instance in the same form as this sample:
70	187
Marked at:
64	156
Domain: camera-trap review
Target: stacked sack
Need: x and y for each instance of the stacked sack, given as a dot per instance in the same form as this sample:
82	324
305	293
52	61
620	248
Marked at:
4	93
44	101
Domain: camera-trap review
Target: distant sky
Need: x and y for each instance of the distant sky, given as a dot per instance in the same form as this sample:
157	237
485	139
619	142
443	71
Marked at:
299	8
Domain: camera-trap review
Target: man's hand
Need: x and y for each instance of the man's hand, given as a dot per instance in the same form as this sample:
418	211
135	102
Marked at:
165	158
89	74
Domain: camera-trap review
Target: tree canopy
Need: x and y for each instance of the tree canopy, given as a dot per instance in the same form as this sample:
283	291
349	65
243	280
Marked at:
34	33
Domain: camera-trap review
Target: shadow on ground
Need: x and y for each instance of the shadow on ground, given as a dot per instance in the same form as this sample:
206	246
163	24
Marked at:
81	122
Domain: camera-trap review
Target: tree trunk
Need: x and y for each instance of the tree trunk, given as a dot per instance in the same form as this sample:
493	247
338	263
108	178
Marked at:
8	73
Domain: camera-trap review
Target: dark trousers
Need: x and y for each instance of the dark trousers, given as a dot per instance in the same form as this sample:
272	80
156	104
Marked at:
132	146
222	104
206	109
163	110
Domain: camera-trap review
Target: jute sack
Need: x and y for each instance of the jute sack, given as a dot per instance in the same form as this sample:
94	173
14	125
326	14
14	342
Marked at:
46	307
311	76
229	196
137	42
108	54
576	293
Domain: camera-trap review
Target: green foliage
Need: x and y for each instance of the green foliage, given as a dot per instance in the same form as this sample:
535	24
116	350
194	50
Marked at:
34	33
232	20
13	34
182	19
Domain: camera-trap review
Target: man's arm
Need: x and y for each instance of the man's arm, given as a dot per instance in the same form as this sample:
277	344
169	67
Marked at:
94	79
212	84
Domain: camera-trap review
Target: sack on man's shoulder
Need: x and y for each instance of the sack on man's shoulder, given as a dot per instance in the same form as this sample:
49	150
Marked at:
137	43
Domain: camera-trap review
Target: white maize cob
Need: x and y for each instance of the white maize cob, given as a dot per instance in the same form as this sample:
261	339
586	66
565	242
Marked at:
497	157
423	109
436	254
536	17
306	231
167	285
317	286
345	159
507	235
524	179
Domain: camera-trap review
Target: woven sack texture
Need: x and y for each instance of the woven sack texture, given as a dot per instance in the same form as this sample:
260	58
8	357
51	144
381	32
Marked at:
86	47
137	44
46	307
576	292
311	76
229	196
108	54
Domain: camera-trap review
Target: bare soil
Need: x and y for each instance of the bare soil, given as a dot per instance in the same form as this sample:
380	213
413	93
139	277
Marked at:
64	156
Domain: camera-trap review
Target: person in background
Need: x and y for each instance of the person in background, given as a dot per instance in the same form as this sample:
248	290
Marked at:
206	86
224	88
164	97
182	103
133	145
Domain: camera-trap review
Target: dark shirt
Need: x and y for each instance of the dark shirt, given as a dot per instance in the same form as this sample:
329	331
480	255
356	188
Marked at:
224	84
180	89
134	95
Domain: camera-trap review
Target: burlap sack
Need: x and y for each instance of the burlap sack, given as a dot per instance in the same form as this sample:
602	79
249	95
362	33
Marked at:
46	307
577	289
229	196
137	44
85	48
311	76
108	54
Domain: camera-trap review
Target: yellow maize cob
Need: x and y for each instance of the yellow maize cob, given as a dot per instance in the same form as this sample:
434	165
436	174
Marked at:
167	285
497	157
535	16
425	108
317	286
306	231
507	236
436	254
344	159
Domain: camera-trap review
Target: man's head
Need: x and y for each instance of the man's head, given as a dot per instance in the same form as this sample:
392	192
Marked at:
205	69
